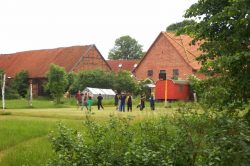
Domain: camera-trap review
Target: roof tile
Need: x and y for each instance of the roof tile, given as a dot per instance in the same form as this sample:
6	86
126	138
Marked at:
128	65
37	62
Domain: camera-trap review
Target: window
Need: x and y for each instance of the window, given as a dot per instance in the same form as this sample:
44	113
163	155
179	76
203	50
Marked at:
162	75
150	73
175	73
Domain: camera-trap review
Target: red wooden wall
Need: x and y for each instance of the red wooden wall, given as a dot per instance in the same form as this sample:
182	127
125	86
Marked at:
176	90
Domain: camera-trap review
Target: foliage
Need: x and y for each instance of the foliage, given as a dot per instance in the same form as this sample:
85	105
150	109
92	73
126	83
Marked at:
223	28
211	138
93	78
126	48
191	138
210	94
13	85
142	87
176	26
20	83
121	81
11	92
57	81
124	81
71	79
111	143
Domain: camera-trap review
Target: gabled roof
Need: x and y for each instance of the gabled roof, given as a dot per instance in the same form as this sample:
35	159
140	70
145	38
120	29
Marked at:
37	62
128	65
187	51
182	46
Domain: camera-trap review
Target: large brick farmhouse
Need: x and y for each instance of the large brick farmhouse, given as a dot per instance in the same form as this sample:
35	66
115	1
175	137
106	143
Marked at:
171	55
37	62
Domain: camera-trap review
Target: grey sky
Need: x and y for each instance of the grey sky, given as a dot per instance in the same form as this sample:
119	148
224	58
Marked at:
40	24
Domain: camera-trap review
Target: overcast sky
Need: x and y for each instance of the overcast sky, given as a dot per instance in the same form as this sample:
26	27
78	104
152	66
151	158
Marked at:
41	24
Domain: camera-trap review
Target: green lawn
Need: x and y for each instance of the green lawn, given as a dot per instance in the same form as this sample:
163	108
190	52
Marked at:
24	135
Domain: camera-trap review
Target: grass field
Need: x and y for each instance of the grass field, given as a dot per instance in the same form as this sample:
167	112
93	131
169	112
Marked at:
24	134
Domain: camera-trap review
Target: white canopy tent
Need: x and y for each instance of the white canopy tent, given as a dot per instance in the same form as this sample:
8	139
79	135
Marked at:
106	93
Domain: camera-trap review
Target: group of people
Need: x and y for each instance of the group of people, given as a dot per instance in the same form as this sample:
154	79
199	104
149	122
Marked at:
86	100
122	99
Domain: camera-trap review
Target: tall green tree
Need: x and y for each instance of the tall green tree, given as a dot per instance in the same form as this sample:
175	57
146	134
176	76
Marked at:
126	48
124	81
57	82
224	29
93	78
176	26
20	83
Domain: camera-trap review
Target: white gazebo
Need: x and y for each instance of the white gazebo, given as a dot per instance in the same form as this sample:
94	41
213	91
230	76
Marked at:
94	92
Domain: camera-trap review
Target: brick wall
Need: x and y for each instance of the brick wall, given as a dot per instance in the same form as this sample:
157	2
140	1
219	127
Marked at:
93	60
163	56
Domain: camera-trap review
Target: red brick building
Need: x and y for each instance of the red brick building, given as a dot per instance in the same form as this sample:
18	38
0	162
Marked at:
171	55
37	62
128	65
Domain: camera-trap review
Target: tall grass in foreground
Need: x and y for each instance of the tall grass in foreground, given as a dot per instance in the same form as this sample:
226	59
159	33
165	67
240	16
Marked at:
37	151
14	131
24	139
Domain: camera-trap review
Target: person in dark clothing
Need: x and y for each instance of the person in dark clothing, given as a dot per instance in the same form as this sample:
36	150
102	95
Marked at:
116	101
129	103
142	106
99	101
152	102
123	100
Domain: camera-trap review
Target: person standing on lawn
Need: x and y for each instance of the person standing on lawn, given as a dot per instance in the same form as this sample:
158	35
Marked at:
143	98
90	102
85	100
129	103
78	97
99	101
123	100
152	102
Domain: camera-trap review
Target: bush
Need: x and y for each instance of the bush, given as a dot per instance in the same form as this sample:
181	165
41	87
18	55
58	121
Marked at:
20	83
191	138
57	82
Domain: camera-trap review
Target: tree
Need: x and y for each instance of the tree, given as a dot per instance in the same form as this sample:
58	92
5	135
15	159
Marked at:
224	29
126	48
71	76
57	82
20	83
125	82
176	26
93	78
